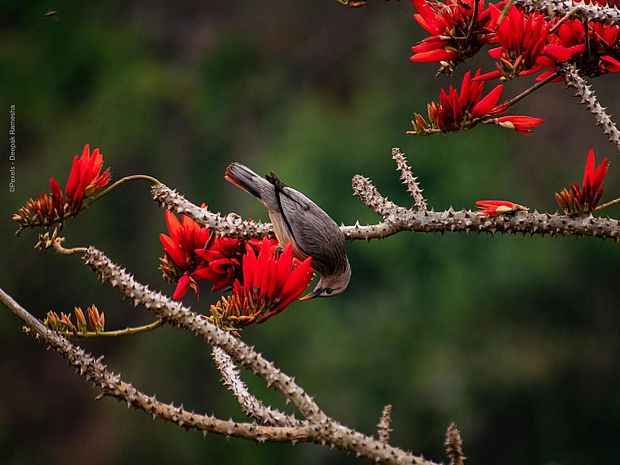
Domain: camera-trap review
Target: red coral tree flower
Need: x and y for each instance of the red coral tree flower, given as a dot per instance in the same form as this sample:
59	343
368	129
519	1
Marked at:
458	28
463	110
524	44
584	198
489	208
86	177
271	281
180	261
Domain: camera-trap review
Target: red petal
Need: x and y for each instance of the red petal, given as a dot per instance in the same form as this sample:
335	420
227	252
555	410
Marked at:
182	287
484	106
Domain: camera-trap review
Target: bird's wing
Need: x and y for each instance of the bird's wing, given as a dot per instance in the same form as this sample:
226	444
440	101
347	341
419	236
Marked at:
314	231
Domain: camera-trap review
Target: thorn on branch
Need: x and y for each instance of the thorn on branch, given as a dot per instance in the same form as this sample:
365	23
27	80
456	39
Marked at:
588	98
413	187
454	445
383	427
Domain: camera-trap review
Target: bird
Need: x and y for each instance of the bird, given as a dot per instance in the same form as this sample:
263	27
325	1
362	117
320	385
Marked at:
300	221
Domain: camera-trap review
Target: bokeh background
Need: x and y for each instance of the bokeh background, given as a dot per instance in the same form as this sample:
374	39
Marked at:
514	338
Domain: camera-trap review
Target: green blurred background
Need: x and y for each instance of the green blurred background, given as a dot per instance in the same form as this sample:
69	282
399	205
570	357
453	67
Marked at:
514	338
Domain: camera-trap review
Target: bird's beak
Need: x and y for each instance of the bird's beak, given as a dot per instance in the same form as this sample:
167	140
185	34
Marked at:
313	294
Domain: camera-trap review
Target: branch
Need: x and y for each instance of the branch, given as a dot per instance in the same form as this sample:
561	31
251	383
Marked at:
95	371
250	405
232	225
413	187
401	219
454	445
579	10
322	430
588	97
383	427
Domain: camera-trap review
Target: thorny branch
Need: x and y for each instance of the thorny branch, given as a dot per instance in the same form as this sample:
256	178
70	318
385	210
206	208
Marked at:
397	219
584	11
322	429
588	97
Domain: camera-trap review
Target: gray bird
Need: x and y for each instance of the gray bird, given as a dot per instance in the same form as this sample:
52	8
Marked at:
297	219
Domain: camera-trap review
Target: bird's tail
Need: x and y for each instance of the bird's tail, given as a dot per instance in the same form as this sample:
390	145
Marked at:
246	179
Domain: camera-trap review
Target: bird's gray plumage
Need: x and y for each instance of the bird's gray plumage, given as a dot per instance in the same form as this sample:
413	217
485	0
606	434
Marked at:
299	220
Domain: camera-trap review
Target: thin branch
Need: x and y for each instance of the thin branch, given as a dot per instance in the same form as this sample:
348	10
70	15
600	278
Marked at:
129	331
454	445
607	204
383	427
588	97
364	189
560	8
250	405
413	186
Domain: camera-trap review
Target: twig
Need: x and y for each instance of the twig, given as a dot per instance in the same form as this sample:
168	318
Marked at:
588	97
454	445
413	186
115	333
383	427
250	405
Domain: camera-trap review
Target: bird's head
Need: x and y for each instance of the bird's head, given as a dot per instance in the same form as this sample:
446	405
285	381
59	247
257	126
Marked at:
330	285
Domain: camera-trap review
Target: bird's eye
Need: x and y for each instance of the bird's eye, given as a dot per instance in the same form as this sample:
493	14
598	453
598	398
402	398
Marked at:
329	290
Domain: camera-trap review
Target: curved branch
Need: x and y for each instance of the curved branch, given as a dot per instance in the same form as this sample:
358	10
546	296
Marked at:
323	429
588	97
250	405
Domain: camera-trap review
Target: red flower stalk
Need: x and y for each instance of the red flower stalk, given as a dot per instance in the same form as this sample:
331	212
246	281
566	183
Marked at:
585	197
458	30
489	208
86	177
463	110
524	46
270	282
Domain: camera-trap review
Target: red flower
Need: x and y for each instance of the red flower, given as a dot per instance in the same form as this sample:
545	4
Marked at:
45	210
458	29
490	208
584	198
270	282
179	256
523	124
523	44
86	178
456	111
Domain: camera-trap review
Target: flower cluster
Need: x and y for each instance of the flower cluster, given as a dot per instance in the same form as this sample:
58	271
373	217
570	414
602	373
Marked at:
525	42
463	110
63	323
458	28
584	198
269	283
264	281
85	179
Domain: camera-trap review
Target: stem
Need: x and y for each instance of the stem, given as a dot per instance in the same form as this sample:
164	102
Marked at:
505	13
608	204
531	89
110	188
474	16
119	332
563	19
57	244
